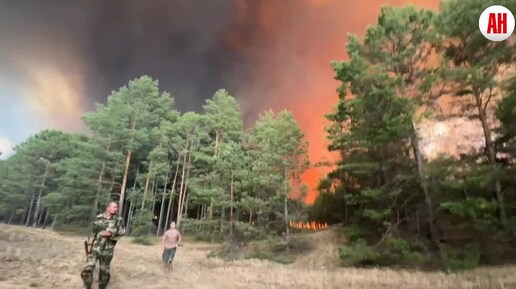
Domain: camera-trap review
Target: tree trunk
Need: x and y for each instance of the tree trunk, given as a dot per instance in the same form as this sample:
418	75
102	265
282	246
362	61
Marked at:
126	171
210	209
147	181
131	206
46	220
27	221
99	186
171	198
10	218
163	197
222	218
184	201
231	215
180	198
417	219
183	175
38	201
53	223
99	182
153	201
285	207
124	181
491	155
153	191
217	140
414	138
40	219
170	210
130	217
204	212
346	218
185	212
287	230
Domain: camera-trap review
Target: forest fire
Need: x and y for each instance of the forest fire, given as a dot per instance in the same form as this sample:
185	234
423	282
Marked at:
313	36
312	226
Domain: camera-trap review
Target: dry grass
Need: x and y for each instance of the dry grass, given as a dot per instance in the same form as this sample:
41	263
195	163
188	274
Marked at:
32	258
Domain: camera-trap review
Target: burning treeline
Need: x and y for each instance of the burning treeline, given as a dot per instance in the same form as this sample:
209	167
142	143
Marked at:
290	45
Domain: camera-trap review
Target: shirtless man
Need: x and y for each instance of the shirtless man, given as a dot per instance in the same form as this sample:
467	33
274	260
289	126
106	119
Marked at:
171	239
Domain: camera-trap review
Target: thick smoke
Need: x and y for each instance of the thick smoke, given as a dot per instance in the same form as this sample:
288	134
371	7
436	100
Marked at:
60	57
268	53
107	43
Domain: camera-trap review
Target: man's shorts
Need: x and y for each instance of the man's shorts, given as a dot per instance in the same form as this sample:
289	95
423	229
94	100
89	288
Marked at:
168	255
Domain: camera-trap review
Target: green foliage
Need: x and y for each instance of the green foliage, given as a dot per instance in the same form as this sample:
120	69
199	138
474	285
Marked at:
508	234
260	255
373	127
395	251
353	233
506	114
224	116
329	207
141	227
462	259
275	249
358	254
203	230
400	251
475	67
471	209
393	79
247	232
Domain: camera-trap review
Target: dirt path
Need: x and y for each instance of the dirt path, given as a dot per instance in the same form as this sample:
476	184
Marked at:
324	256
33	258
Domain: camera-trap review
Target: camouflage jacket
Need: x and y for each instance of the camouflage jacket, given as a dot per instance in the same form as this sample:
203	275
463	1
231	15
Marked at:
115	225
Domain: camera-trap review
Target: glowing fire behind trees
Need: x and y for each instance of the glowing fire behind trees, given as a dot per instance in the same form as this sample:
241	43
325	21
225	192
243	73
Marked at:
290	44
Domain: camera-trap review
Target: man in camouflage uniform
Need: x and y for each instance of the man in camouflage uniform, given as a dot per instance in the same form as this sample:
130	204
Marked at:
108	228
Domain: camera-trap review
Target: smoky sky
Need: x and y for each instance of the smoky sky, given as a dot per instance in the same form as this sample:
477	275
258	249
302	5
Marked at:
57	57
180	43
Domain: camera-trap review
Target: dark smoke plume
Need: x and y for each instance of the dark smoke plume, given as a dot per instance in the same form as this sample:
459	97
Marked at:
178	42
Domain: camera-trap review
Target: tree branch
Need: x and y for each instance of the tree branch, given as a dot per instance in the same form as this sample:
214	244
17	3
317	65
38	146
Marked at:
388	233
491	94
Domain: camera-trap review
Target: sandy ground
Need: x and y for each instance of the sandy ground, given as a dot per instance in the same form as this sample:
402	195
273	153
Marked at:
34	258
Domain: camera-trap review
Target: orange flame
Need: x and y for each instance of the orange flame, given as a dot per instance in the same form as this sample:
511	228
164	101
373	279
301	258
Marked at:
312	226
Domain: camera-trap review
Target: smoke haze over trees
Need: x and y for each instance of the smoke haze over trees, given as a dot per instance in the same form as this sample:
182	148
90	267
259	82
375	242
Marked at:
60	57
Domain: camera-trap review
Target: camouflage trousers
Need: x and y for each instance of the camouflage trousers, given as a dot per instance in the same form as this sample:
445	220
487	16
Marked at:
104	264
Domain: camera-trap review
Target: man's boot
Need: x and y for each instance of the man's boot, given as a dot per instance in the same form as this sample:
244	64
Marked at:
87	278
104	277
